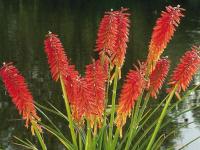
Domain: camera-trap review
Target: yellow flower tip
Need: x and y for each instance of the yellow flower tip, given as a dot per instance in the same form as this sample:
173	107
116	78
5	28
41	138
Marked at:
99	122
121	121
120	133
119	73
92	123
95	130
34	124
129	114
32	130
112	78
178	95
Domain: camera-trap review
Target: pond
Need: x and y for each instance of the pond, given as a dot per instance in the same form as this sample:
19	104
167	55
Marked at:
25	23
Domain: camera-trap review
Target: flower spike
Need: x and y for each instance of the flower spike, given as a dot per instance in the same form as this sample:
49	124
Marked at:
95	78
70	81
106	36
163	32
59	64
132	88
158	76
91	93
183	73
79	104
123	24
18	90
113	35
57	58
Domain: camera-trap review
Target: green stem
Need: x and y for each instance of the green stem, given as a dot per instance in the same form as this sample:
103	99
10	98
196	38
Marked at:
138	113
115	139
80	142
142	124
161	119
146	100
113	104
106	98
107	87
69	114
88	137
39	136
134	120
105	139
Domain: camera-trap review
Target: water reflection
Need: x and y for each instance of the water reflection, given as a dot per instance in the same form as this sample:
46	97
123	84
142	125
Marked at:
191	118
25	23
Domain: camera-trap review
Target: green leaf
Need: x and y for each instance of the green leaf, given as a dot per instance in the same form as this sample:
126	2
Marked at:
59	136
26	144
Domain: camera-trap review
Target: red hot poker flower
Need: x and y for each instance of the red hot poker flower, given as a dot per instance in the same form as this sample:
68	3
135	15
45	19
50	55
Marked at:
158	76
56	56
70	82
163	32
91	93
121	37
132	88
59	64
183	73
18	90
79	104
106	36
95	78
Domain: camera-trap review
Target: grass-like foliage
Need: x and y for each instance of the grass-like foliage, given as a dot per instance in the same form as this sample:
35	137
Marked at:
96	119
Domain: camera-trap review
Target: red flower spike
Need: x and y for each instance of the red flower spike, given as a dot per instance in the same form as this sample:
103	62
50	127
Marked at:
163	32
132	88
17	88
79	104
121	37
59	64
91	93
56	56
106	36
183	73
96	78
158	76
70	82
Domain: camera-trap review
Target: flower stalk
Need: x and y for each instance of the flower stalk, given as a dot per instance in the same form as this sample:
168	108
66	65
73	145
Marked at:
134	122
88	143
113	104
71	126
163	114
38	134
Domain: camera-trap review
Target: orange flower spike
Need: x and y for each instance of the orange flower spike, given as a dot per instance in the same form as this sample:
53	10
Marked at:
123	24
183	73
96	78
79	105
106	36
59	64
92	92
18	90
163	32
70	81
158	76
132	88
57	59
89	92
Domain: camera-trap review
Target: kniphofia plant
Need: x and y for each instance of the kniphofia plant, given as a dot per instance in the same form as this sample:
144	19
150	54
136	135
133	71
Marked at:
95	120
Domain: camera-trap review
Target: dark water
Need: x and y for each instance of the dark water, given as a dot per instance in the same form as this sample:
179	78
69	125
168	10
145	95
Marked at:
24	23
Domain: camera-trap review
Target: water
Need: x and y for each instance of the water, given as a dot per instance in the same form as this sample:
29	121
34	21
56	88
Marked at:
22	31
